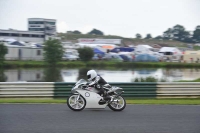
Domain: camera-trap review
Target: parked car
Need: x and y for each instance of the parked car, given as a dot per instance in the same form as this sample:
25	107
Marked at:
70	57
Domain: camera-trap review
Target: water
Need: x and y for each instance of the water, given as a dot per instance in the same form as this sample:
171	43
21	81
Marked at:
72	75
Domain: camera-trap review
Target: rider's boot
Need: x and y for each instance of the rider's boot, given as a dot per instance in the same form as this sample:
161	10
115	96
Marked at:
106	98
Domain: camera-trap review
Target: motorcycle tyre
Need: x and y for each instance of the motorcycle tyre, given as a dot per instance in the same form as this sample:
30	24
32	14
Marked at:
73	108
114	109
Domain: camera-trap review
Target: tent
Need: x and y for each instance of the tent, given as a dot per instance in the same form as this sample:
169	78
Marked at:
38	45
122	49
97	51
17	43
108	46
146	58
143	49
10	40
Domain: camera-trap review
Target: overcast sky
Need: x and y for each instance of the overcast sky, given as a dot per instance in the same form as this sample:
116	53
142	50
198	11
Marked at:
113	17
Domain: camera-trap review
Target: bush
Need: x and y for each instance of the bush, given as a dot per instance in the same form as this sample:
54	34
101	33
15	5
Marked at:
53	52
85	53
149	79
3	51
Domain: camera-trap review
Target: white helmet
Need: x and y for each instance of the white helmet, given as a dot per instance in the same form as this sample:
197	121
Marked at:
91	74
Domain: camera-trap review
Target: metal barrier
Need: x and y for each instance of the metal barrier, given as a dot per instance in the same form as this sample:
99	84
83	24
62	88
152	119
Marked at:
136	90
26	89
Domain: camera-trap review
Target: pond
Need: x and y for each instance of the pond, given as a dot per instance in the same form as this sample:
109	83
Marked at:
110	75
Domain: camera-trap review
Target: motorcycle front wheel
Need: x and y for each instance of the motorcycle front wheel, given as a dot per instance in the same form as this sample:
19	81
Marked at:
75	103
118	104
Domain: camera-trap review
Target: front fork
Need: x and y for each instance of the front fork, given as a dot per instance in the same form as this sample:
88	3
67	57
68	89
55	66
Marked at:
78	97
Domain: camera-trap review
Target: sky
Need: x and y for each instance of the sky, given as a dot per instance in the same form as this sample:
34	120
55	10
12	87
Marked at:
114	17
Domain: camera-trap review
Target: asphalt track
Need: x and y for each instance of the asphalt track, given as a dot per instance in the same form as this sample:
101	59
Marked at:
58	118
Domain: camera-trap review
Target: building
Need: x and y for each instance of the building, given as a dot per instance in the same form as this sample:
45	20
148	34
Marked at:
25	36
39	30
24	53
191	56
48	26
99	41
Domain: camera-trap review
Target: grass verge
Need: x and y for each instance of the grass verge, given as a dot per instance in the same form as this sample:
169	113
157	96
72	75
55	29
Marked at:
189	101
33	64
196	80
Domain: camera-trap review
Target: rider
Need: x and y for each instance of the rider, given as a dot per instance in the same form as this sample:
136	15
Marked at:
98	82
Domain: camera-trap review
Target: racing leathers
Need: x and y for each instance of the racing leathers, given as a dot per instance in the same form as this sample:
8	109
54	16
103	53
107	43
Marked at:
99	83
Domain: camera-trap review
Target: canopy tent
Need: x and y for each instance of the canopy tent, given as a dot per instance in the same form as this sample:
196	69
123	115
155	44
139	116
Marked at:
97	51
17	43
38	45
122	49
10	40
108	46
146	57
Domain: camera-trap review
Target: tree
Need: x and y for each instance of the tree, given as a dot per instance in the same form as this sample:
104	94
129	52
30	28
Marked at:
3	77
53	52
148	36
158	37
85	53
76	32
168	34
138	36
178	33
95	32
3	52
196	34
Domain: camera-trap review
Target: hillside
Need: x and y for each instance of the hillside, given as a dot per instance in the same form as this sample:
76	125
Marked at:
125	41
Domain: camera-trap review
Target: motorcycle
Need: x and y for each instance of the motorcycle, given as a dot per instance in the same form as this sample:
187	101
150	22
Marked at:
84	96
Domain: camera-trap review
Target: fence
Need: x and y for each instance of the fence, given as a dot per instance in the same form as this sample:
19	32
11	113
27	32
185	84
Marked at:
136	90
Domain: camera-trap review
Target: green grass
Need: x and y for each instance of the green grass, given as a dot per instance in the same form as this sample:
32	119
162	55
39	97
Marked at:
188	101
166	101
196	47
196	80
74	37
38	64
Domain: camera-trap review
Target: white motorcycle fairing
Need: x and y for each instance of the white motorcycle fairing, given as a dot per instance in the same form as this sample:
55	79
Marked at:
92	99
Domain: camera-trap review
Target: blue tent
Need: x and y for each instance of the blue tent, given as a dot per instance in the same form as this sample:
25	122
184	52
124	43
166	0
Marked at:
146	58
97	51
17	43
122	49
38	45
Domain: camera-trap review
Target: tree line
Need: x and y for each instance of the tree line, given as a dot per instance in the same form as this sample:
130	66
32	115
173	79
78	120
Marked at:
92	32
177	32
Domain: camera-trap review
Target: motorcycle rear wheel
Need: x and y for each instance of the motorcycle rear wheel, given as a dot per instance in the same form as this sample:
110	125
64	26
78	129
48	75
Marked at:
118	105
74	104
